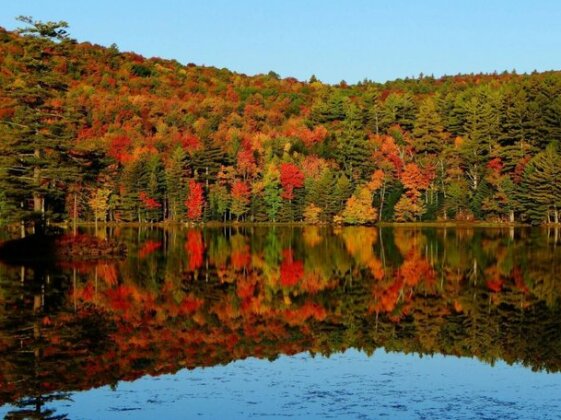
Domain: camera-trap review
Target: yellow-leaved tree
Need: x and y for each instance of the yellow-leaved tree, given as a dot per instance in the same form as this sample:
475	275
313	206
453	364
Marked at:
99	203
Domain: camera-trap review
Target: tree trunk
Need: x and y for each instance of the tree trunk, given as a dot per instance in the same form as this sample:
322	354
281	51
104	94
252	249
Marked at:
75	214
511	216
382	198
37	201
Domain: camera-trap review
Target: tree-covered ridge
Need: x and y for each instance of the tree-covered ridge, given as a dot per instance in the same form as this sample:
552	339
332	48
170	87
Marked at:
90	133
191	298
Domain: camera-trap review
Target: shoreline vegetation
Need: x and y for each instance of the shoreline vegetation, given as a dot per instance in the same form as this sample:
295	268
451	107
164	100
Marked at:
212	224
115	137
46	248
70	227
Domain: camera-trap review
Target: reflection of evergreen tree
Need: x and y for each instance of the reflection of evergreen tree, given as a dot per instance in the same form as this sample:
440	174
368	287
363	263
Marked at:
35	408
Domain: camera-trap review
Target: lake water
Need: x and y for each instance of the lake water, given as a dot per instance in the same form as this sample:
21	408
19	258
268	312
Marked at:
289	322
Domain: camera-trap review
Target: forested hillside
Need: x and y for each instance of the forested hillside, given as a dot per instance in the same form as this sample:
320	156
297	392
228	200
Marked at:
88	132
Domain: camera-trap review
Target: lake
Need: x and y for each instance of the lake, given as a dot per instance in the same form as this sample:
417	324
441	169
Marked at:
305	322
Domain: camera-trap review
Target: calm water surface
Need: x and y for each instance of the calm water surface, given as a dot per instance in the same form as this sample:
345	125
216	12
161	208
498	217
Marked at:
289	322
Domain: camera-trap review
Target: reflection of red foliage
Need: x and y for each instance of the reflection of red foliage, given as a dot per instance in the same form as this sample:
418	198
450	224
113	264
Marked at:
494	281
245	289
189	305
119	298
241	258
290	271
148	248
387	299
458	306
415	269
301	314
495	285
86	293
195	248
519	280
107	272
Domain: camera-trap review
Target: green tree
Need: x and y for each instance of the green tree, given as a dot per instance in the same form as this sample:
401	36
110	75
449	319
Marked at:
519	122
320	193
35	153
219	201
134	181
353	148
397	109
155	187
176	184
272	192
540	189
342	192
428	130
48	30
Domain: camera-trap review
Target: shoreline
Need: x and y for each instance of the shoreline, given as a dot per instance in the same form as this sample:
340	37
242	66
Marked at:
215	224
13	230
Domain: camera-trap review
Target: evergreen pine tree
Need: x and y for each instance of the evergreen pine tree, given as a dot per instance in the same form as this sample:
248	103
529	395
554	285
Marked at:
353	146
540	189
428	130
35	158
176	184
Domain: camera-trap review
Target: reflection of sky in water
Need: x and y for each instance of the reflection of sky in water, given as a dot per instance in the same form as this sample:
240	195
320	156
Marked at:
344	385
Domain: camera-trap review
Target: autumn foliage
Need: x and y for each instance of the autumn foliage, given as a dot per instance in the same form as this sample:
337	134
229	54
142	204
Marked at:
195	201
173	142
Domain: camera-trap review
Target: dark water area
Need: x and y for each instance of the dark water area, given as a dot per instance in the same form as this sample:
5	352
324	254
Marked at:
304	322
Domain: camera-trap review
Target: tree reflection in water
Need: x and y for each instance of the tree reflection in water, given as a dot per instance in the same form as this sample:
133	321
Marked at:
186	298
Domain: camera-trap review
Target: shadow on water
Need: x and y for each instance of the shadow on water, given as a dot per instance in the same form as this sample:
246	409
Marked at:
187	298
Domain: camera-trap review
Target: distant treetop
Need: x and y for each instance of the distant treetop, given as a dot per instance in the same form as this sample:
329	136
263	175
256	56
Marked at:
51	30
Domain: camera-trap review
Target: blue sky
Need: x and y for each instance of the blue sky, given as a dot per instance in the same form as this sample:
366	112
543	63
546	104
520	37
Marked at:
335	40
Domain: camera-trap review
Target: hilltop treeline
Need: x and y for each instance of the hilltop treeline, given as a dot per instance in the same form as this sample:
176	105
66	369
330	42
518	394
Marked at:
88	133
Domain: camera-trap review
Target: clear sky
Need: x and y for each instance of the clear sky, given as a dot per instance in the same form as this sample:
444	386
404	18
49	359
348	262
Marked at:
335	40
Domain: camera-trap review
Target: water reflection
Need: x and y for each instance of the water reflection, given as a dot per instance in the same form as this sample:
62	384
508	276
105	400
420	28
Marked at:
186	298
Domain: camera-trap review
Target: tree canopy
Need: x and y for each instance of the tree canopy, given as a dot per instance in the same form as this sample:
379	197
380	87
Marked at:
186	142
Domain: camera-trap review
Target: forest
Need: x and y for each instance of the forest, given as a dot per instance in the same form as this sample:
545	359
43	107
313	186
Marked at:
89	133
